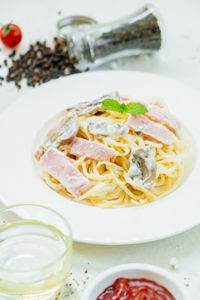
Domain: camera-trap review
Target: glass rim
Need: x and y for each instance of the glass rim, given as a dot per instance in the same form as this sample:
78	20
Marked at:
59	257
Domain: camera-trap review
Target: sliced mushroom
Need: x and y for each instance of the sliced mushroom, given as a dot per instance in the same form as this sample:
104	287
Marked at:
143	169
64	132
91	108
102	128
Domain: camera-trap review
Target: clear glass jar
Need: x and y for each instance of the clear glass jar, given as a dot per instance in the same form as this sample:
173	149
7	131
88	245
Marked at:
93	45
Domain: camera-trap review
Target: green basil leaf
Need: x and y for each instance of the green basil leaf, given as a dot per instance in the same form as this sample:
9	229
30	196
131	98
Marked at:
122	107
136	108
111	104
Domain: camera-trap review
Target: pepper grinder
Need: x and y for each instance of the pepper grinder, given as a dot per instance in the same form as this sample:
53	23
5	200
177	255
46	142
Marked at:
94	44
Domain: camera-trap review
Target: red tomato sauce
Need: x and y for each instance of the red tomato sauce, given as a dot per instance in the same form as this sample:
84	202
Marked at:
135	289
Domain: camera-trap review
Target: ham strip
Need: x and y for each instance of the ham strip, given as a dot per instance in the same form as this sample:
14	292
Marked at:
58	165
93	150
151	129
156	113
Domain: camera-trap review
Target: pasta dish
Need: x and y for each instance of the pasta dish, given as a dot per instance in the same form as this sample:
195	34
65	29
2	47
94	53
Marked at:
114	152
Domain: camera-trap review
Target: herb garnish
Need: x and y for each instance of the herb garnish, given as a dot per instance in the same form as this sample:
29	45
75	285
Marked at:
134	108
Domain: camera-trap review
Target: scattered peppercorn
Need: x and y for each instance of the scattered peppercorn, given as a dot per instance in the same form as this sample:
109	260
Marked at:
1	80
12	53
41	64
18	85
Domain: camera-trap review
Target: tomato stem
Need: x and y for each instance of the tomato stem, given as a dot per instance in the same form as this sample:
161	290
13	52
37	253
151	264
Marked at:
8	28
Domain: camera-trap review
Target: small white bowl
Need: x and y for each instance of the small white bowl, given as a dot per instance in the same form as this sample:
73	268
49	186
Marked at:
150	272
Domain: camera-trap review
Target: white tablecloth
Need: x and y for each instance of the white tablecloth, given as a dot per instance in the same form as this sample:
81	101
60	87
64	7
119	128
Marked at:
180	59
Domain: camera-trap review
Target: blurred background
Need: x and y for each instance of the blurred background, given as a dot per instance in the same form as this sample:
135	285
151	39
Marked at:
180	58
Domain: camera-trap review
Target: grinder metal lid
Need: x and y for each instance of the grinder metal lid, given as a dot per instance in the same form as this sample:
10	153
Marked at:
69	23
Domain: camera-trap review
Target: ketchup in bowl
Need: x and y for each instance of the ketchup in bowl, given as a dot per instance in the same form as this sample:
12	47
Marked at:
135	289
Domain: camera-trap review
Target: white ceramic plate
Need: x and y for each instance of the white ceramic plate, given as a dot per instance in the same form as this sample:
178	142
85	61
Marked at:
20	183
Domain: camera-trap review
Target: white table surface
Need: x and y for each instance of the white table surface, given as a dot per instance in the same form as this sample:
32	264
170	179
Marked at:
180	60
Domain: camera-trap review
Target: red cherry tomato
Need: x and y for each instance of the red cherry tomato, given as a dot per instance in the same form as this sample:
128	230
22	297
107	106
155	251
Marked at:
11	35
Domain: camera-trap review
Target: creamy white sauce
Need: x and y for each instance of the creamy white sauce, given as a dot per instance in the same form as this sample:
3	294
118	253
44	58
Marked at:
101	127
90	108
143	170
64	132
